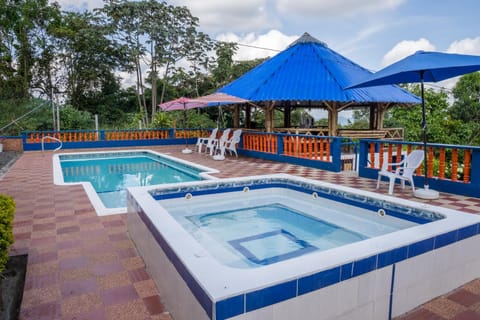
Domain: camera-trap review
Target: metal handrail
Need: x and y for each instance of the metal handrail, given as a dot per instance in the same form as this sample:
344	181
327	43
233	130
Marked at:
53	138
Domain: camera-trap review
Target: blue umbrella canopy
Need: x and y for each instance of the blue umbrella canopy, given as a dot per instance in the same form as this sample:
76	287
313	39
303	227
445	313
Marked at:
422	66
309	71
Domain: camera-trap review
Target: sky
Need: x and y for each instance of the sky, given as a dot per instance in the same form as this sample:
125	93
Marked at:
372	33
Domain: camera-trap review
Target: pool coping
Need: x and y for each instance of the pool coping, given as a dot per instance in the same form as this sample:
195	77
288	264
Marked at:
97	203
227	300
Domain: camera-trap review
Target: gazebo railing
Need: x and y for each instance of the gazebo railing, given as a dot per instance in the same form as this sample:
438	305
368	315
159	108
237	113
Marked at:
450	167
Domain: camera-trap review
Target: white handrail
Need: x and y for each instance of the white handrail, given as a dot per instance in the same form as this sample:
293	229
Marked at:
53	138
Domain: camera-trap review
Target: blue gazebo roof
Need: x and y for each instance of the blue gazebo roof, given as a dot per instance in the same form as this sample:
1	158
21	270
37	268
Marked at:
308	71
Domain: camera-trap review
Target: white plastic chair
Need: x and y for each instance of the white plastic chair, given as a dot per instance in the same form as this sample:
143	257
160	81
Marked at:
404	171
218	143
206	141
231	144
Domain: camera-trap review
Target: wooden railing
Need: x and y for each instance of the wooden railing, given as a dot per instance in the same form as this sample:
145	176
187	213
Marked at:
260	142
316	151
448	165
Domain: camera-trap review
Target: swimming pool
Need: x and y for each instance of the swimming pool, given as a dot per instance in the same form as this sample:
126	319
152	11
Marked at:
423	252
106	175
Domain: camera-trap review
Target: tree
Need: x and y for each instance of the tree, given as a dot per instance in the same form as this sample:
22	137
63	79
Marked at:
24	25
441	127
466	106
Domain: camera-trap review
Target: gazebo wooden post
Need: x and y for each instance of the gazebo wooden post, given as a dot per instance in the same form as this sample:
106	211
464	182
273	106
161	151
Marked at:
269	118
236	116
332	118
373	117
287	117
381	110
248	116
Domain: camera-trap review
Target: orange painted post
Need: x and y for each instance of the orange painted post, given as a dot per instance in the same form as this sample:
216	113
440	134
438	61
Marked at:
441	164
380	155
399	153
285	145
315	149
327	150
321	151
372	155
454	164
430	162
390	156
467	163
409	149
274	144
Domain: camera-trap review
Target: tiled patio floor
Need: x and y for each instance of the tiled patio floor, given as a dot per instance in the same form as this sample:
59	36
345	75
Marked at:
81	266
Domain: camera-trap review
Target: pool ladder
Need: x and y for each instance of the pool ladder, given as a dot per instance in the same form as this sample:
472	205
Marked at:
52	138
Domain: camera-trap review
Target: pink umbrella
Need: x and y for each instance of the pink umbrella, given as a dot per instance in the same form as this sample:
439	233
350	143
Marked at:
219	98
182	103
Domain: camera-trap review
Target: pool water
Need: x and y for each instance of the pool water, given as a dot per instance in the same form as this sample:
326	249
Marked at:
271	233
111	174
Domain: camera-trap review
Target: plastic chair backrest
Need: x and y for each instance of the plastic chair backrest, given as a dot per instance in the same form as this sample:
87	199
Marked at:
412	162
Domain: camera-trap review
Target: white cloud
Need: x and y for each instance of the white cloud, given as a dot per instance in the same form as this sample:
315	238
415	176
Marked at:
237	16
335	8
405	48
465	46
273	39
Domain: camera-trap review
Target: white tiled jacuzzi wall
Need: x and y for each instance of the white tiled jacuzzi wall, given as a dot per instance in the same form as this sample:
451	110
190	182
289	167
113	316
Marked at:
363	297
173	290
417	279
434	273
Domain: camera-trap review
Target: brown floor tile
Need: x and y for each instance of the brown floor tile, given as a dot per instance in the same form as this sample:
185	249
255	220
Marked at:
444	307
45	311
130	310
467	315
78	260
464	297
119	295
102	269
81	304
113	280
78	287
154	305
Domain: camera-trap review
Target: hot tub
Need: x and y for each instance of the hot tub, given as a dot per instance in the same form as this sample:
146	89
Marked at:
376	257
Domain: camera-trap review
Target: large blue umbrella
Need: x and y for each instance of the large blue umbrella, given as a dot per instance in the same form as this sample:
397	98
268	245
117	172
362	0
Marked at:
423	66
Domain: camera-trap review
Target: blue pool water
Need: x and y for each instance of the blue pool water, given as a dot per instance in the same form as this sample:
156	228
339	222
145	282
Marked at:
110	174
270	233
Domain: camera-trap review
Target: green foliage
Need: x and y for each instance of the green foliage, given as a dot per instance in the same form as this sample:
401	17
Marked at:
466	106
12	109
73	119
438	119
162	120
7	210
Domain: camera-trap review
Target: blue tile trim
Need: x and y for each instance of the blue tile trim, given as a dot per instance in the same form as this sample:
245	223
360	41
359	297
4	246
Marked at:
346	271
200	294
420	247
318	280
393	256
364	266
445	239
467	232
271	295
230	307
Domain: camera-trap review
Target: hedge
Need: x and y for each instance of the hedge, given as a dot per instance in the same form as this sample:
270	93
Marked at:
7	209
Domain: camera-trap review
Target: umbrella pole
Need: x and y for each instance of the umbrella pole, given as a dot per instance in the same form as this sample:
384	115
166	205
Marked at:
186	150
426	192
